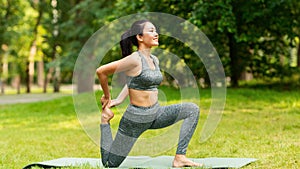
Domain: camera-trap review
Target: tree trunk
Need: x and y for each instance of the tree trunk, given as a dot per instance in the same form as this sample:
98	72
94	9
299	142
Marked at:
16	83
56	69
4	75
2	87
33	48
298	55
47	79
30	65
56	79
4	46
40	73
0	73
247	76
234	64
85	81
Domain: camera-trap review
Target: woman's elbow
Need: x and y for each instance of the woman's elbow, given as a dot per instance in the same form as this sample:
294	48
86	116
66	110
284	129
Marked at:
104	70
99	70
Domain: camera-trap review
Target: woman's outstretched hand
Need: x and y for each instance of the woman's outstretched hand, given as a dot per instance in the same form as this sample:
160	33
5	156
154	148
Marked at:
114	102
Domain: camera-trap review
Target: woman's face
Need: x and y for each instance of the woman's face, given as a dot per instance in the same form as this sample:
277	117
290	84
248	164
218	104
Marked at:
150	36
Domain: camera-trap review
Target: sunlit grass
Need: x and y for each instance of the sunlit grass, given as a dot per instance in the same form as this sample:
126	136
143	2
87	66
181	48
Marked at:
262	124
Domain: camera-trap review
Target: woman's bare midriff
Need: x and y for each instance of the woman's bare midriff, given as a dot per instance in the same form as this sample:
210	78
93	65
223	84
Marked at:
143	98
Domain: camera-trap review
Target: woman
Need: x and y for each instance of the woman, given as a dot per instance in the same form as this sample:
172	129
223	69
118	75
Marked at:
143	77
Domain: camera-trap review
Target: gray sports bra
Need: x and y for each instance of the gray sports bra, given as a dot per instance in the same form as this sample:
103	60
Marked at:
148	79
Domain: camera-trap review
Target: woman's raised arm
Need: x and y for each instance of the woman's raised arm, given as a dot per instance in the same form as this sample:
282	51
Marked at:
123	65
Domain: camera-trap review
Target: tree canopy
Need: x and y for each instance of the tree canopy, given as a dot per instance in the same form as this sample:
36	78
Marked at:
41	39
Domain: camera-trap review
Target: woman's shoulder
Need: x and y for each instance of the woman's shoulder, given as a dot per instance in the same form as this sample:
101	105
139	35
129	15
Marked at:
133	57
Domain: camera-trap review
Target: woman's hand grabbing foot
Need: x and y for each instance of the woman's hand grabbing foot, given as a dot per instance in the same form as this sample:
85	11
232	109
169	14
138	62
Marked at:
106	115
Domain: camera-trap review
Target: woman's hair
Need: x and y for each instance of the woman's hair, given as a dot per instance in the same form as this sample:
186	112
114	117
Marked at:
129	37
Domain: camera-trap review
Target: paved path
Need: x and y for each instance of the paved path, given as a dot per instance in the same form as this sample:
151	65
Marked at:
27	98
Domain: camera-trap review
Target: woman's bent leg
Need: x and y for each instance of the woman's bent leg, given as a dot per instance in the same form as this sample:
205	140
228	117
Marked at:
168	115
190	114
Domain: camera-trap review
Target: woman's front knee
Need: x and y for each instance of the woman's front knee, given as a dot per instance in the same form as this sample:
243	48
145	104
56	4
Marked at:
193	109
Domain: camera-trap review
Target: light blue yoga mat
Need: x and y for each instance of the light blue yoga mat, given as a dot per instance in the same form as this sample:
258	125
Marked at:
160	162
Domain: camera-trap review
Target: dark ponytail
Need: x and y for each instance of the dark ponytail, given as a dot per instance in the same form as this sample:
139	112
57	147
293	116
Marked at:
128	39
126	44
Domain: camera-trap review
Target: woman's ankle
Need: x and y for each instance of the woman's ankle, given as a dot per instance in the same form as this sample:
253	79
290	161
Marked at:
104	122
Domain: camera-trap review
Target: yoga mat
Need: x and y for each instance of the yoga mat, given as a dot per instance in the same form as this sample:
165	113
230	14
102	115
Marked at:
160	162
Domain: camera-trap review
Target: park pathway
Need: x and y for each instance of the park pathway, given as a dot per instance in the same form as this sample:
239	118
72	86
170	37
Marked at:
28	98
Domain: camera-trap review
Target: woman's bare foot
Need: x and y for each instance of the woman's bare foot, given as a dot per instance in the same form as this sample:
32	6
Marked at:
180	160
106	115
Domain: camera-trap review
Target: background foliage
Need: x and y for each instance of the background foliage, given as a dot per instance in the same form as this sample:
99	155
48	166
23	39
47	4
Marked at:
40	39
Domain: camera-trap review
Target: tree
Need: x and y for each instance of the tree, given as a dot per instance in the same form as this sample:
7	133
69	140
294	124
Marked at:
11	14
52	38
247	28
38	5
84	18
295	13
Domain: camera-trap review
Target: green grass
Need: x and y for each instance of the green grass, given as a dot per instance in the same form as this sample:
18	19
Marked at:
262	124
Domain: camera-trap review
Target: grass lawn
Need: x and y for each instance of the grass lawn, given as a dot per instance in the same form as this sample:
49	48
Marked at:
262	124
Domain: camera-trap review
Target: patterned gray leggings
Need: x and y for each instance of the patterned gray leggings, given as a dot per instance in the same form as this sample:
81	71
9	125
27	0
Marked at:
137	119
